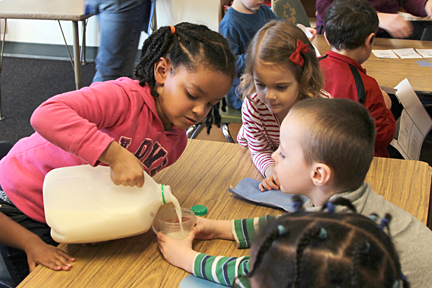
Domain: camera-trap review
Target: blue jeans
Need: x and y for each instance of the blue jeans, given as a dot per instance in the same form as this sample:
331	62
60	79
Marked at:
121	23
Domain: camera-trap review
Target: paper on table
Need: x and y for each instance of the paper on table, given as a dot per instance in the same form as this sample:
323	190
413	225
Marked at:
426	53
384	54
407	53
414	123
309	35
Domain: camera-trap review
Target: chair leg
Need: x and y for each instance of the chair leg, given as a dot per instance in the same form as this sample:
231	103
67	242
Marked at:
226	133
193	131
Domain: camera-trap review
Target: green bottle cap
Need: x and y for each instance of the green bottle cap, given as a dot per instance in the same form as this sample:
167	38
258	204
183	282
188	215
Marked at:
199	210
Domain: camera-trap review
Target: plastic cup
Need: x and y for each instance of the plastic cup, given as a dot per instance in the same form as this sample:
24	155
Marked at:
166	221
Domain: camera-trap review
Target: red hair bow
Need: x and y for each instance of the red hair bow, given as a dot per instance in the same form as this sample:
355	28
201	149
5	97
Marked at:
296	57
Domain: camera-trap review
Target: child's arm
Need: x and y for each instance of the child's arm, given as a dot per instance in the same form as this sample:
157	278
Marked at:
384	120
235	43
38	252
126	169
179	252
86	123
387	99
223	270
258	134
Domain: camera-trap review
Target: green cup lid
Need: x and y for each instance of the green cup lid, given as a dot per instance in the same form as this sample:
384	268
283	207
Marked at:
199	210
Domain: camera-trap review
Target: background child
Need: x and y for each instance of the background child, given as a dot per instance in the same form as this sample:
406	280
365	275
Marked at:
239	25
325	152
392	24
351	26
281	69
129	125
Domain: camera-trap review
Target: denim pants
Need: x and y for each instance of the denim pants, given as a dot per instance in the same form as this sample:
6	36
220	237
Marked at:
120	23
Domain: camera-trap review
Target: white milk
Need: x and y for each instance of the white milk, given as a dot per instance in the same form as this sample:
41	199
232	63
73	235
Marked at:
82	205
180	216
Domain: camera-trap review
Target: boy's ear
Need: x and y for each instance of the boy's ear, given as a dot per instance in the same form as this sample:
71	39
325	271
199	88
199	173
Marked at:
161	70
325	36
369	40
321	174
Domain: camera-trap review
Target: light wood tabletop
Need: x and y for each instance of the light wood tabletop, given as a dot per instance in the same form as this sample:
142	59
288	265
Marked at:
203	175
390	72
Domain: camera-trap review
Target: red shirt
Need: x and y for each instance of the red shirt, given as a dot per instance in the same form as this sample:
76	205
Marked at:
341	74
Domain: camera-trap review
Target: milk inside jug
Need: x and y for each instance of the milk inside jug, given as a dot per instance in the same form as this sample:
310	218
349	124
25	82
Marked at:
83	205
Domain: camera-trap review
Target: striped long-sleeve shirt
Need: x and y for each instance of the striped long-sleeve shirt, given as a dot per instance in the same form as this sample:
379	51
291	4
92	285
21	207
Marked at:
260	131
226	270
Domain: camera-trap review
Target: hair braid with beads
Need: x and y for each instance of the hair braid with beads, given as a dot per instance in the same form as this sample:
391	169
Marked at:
326	249
189	46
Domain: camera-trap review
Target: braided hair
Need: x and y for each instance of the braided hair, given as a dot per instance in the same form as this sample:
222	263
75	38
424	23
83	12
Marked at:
188	45
326	249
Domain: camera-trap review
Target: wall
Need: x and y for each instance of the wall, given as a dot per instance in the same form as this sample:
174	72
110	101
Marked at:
167	12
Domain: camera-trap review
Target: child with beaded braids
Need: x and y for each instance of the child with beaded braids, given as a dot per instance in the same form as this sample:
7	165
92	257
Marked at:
325	249
281	69
130	125
326	148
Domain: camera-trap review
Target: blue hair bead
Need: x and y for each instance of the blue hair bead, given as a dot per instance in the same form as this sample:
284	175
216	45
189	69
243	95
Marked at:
384	223
281	230
297	205
373	217
330	207
396	284
322	234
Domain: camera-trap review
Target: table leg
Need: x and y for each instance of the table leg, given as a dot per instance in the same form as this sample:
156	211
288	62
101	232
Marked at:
76	49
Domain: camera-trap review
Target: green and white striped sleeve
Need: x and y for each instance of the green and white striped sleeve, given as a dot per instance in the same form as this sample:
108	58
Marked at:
245	230
222	270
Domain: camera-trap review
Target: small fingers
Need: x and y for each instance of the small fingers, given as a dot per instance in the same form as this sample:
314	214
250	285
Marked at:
265	185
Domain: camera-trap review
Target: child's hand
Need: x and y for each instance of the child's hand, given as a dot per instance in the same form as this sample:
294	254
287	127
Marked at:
206	229
38	252
387	99
313	32
126	169
271	182
178	252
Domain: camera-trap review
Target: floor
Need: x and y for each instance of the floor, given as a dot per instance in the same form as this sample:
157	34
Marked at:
216	133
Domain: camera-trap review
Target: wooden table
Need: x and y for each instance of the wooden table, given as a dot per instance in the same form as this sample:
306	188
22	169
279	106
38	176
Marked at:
390	72
68	10
203	175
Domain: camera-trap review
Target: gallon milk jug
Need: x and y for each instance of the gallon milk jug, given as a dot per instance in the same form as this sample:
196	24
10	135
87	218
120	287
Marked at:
83	205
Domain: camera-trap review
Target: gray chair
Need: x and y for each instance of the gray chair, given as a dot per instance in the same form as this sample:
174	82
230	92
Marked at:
292	11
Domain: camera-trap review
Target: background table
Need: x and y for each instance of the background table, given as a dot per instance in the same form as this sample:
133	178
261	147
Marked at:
390	72
69	10
203	175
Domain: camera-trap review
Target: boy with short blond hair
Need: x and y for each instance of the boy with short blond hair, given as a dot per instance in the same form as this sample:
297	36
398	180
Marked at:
326	148
351	26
